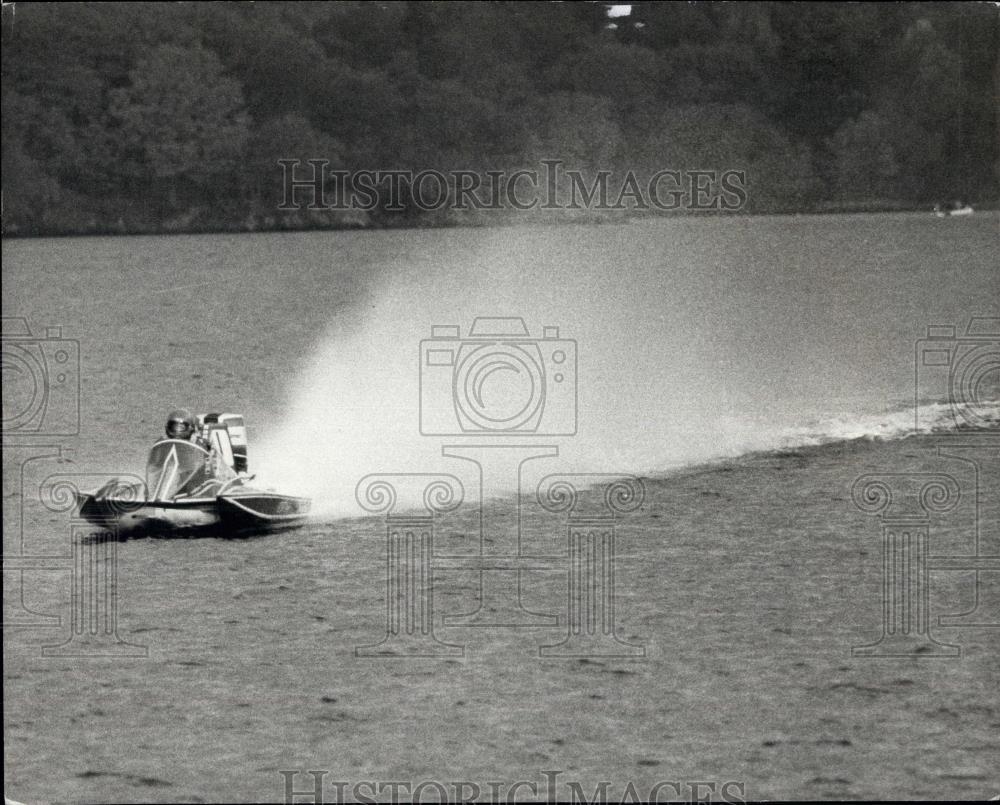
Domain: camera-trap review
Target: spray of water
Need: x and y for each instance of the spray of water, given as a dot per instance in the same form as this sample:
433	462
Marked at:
356	408
675	363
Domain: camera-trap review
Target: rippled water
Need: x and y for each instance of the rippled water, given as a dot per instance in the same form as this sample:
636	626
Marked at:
747	583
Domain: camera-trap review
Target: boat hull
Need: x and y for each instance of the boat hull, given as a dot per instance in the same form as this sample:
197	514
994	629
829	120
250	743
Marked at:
241	511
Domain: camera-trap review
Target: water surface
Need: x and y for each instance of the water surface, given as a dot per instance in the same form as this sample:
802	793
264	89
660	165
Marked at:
695	337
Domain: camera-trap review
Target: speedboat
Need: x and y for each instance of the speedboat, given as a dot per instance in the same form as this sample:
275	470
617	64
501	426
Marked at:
193	488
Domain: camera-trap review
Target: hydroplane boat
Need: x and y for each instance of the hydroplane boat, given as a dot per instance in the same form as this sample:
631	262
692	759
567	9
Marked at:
191	487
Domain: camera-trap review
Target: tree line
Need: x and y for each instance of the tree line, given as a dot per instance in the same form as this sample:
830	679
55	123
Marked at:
162	117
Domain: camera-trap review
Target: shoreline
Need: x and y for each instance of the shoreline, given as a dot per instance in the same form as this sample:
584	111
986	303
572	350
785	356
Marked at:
355	223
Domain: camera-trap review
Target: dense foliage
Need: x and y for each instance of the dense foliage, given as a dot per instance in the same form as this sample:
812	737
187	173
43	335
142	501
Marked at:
140	117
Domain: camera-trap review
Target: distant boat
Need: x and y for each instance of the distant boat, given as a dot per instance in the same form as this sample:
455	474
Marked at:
949	209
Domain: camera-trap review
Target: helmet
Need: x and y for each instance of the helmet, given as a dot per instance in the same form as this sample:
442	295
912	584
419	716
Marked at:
180	424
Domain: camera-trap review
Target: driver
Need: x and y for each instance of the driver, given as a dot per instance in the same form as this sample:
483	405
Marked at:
181	424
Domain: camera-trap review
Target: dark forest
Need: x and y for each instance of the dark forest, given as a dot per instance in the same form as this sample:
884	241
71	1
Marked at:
172	117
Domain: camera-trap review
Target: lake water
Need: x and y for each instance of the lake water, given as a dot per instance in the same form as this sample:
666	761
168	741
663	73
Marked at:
747	583
695	338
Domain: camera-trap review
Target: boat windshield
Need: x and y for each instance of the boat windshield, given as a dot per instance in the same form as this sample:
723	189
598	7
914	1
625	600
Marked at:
175	467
